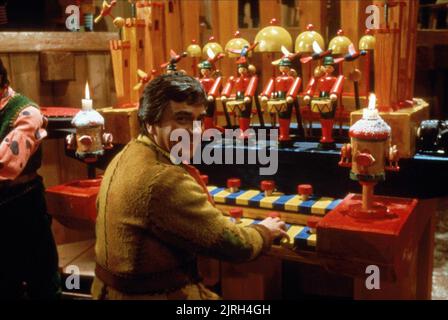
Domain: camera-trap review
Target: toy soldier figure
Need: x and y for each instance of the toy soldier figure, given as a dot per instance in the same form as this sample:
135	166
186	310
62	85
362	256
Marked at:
244	87
212	87
280	94
29	267
329	89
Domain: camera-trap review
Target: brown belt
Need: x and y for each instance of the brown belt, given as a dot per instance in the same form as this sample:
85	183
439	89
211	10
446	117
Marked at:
155	283
19	180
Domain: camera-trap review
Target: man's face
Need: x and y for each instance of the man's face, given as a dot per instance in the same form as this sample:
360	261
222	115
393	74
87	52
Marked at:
178	115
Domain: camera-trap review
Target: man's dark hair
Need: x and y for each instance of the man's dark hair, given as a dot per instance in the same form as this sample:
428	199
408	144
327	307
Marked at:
157	95
3	76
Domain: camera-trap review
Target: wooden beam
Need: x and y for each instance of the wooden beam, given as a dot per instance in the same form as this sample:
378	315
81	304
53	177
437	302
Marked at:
46	41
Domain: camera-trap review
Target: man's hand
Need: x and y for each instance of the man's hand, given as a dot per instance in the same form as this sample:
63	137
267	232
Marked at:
210	98
247	100
289	99
264	99
333	97
223	99
276	227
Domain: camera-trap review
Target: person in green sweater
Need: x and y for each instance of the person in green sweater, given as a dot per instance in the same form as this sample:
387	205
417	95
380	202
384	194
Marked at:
29	265
155	217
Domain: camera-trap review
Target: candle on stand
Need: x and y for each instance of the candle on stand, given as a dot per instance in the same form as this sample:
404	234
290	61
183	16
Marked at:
371	112
87	103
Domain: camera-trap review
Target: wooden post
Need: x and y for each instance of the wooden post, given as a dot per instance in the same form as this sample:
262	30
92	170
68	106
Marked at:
353	22
190	30
120	60
224	24
157	34
173	32
134	32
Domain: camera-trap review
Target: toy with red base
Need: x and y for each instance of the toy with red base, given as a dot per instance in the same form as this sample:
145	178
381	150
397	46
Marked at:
212	85
238	93
280	95
397	248
90	140
329	90
368	156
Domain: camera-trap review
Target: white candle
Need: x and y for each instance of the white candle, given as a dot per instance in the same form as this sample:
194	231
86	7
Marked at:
87	103
371	112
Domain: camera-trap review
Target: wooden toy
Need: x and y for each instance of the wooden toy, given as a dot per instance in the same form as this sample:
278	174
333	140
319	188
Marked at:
212	83
371	154
144	78
279	96
171	65
367	44
329	89
304	45
90	140
238	93
194	51
106	10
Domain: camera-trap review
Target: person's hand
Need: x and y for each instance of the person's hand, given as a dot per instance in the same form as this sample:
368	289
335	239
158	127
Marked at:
247	100
264	99
333	97
210	98
289	99
276	227
223	99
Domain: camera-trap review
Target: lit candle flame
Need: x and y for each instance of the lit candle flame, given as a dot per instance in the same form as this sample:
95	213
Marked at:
87	93
372	102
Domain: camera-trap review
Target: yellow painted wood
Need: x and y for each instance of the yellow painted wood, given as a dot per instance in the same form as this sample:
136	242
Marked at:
311	241
268	202
220	197
292	232
320	205
293	204
211	188
246	196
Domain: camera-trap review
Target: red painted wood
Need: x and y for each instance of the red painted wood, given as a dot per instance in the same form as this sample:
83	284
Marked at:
348	245
76	199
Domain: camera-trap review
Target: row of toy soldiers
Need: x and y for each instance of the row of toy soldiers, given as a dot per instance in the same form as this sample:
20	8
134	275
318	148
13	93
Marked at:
279	96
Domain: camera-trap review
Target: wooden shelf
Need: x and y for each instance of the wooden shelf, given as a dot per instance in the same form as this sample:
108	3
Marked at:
13	42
